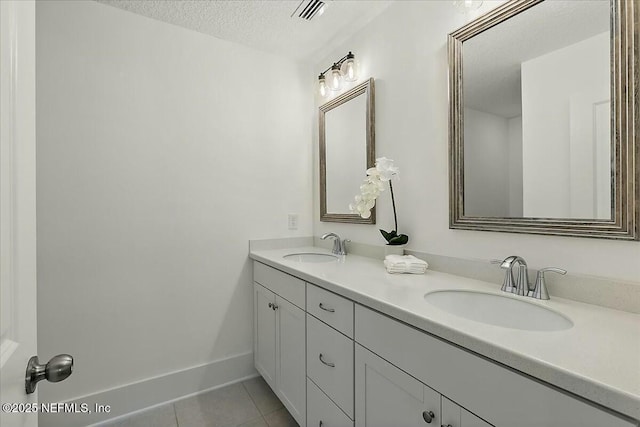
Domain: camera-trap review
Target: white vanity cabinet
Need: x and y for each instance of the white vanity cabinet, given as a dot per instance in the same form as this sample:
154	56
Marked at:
279	337
335	363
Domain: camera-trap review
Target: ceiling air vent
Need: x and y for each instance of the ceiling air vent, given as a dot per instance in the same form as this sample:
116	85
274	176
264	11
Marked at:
307	9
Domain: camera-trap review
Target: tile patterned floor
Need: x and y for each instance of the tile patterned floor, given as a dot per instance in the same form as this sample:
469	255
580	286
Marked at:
247	404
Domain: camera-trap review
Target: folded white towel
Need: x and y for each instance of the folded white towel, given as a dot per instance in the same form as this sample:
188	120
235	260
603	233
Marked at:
405	264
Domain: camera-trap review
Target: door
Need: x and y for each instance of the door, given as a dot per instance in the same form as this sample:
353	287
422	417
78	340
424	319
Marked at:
17	209
387	396
264	330
290	359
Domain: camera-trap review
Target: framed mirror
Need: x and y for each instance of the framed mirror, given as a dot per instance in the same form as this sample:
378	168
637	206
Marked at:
347	150
544	117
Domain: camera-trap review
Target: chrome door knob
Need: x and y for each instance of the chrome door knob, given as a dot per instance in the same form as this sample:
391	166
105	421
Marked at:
428	416
57	369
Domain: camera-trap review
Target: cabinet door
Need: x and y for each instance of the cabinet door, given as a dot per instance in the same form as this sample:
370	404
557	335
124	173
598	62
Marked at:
455	416
290	359
264	333
387	396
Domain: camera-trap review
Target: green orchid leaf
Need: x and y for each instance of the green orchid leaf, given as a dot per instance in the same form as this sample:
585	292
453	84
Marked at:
399	240
388	235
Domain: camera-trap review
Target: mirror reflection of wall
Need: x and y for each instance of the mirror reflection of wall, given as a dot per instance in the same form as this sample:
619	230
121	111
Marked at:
346	152
537	135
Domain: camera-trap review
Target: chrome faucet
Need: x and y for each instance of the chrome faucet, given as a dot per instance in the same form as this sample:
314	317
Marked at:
519	286
339	245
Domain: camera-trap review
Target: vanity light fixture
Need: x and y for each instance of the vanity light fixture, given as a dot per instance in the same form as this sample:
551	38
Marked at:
344	69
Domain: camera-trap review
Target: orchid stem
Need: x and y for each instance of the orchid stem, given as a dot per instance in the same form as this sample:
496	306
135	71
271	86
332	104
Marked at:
393	202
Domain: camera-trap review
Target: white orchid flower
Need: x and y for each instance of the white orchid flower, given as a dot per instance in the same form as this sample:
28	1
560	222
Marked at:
386	169
373	185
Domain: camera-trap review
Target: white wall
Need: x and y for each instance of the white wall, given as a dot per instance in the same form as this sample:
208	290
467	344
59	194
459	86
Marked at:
161	152
514	131
555	169
486	164
404	49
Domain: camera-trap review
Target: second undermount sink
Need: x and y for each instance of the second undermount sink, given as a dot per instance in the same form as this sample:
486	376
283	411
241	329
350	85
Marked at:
311	257
499	310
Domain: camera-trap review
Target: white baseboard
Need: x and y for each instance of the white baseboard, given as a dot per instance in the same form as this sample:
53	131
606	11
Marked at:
142	395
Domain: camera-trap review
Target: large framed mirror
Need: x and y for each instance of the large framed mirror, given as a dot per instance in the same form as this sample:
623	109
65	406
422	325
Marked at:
544	117
347	150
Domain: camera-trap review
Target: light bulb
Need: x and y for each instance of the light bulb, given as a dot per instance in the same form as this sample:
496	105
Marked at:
322	86
349	68
335	78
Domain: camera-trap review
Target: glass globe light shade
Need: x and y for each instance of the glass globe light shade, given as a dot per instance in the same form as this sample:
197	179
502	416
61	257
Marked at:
349	68
335	78
322	86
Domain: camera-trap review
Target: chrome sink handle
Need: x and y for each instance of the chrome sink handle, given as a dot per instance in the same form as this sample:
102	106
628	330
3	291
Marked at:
540	291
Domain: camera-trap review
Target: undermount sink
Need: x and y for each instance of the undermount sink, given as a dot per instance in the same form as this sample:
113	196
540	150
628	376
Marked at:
499	310
311	257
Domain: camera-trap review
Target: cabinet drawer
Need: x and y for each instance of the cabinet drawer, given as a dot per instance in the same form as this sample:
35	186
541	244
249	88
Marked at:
288	287
321	411
330	363
332	309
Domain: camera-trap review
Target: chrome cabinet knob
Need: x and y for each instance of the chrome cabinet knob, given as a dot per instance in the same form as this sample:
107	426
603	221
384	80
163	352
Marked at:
275	307
428	416
271	305
57	369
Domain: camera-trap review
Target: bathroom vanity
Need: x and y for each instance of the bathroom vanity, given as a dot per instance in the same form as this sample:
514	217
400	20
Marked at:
343	343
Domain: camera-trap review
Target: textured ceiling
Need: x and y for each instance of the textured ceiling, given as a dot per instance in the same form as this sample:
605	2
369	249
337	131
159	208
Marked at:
492	59
264	25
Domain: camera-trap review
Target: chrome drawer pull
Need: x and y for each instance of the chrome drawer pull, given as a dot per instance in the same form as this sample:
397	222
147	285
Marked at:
330	310
331	365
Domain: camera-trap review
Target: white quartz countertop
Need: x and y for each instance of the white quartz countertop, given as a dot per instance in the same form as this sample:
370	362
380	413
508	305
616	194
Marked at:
597	359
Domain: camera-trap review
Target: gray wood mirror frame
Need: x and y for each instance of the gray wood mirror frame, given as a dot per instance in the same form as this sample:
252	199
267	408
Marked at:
594	192
347	150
